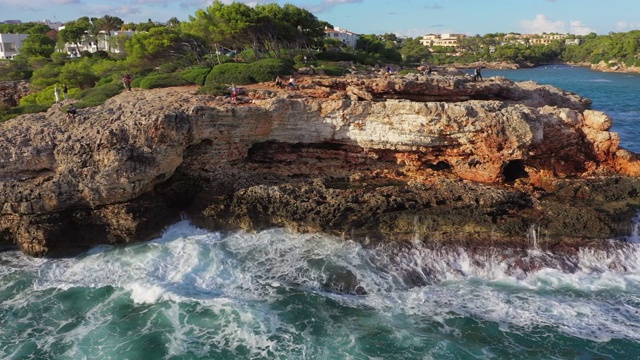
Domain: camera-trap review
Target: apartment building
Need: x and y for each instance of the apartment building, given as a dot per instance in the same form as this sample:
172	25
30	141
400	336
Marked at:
10	45
101	42
450	40
345	36
544	39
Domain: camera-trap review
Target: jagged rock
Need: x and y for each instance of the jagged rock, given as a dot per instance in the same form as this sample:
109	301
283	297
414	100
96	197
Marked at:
12	91
440	157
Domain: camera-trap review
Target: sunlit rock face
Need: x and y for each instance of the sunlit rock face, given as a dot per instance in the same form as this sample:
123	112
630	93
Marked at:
370	157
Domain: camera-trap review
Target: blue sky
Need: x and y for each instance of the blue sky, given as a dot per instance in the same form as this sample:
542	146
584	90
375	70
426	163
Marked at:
403	17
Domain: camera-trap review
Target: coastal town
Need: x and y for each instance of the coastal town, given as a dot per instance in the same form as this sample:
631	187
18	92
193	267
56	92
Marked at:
11	43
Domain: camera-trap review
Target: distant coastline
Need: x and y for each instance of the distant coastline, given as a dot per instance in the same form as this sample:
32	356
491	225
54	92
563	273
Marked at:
601	66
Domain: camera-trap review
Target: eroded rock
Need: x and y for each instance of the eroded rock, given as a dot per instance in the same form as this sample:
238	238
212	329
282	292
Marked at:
441	158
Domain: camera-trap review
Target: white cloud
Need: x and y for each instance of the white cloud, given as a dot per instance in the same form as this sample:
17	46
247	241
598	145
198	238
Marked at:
625	26
578	28
543	24
417	32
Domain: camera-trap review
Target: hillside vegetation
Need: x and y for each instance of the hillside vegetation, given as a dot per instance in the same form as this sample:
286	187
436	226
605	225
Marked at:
236	43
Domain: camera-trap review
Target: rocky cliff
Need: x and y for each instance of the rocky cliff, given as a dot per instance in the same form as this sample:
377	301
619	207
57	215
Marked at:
12	91
438	159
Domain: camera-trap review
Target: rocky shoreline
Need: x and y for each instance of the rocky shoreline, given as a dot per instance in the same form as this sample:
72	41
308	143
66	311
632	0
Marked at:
440	159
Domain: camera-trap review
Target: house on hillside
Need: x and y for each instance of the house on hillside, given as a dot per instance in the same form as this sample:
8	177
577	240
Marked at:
576	41
10	45
102	42
345	36
543	39
450	40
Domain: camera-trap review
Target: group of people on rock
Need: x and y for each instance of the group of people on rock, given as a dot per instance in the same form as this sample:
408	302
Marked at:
291	84
65	92
72	110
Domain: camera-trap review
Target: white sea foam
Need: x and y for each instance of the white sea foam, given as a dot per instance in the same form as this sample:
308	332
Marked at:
238	283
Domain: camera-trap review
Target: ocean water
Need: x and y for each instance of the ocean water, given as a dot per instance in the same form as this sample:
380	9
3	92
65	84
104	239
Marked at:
196	294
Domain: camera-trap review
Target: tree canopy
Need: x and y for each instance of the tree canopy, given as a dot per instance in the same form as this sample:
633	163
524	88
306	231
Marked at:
267	28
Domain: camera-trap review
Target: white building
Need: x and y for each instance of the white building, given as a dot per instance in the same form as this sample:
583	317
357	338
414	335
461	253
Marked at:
10	45
345	36
101	42
450	40
53	25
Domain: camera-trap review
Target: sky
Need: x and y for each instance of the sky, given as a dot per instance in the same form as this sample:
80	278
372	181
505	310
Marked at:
402	17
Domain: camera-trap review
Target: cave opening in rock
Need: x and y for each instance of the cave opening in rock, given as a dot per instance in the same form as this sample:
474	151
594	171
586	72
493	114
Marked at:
440	166
514	170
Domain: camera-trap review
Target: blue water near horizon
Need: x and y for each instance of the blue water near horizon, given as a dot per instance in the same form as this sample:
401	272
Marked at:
197	294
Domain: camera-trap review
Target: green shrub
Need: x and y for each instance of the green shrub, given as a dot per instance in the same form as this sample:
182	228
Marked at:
248	55
335	56
196	75
162	80
408	71
213	89
332	69
44	97
136	81
267	69
98	95
168	67
107	80
299	60
229	73
20	110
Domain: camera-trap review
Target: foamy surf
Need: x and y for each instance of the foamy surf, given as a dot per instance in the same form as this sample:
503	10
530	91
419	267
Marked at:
276	294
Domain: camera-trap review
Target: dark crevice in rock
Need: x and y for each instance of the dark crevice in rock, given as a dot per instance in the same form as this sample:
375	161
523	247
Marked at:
514	170
439	166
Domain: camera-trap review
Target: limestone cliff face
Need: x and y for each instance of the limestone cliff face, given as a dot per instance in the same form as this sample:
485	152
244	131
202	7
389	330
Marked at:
123	170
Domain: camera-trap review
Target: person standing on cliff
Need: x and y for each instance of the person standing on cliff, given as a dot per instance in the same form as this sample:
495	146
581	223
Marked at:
127	82
65	91
234	93
56	93
477	76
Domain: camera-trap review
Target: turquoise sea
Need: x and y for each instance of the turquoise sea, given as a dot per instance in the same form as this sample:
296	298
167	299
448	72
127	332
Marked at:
196	294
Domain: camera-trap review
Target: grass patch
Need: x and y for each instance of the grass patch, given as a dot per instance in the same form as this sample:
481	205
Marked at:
163	81
98	95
